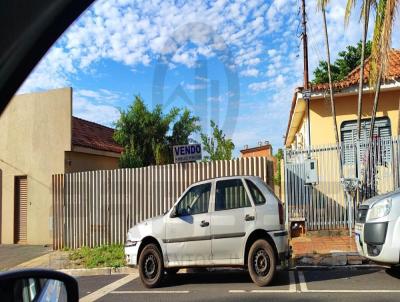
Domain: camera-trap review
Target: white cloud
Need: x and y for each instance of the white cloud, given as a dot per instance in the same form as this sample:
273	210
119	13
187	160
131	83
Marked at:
86	106
102	95
280	81
251	72
50	73
272	52
260	86
137	32
195	86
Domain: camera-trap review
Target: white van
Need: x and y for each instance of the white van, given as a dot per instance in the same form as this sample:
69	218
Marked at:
377	228
228	221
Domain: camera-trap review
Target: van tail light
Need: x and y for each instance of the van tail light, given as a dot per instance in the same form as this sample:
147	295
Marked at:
281	214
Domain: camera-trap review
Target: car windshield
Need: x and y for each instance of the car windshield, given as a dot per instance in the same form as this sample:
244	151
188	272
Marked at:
281	117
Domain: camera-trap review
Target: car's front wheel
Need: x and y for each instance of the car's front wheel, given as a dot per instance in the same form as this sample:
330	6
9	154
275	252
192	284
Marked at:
261	262
151	266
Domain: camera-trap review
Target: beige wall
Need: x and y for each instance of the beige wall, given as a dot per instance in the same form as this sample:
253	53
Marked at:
78	161
301	139
35	131
346	109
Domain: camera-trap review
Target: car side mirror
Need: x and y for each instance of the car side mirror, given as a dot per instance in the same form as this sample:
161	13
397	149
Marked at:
38	285
174	212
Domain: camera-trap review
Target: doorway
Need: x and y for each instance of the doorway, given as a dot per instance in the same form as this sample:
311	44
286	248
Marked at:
21	209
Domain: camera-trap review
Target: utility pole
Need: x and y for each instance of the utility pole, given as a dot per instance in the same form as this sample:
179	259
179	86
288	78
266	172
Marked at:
306	91
305	46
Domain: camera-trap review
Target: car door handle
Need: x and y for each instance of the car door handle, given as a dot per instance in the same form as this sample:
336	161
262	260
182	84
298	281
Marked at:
204	224
249	217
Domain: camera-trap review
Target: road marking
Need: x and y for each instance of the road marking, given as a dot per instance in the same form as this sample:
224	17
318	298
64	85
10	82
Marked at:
108	288
292	281
353	291
302	281
150	292
292	288
304	288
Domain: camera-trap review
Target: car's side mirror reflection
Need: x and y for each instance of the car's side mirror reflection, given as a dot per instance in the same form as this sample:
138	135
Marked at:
38	285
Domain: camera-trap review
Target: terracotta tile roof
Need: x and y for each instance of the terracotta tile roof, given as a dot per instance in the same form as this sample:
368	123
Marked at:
392	72
91	135
258	148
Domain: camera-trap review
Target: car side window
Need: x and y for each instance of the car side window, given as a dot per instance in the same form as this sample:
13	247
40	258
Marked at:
231	194
255	192
195	201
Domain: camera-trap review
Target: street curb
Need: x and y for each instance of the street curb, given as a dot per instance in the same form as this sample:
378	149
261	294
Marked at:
324	267
329	259
100	271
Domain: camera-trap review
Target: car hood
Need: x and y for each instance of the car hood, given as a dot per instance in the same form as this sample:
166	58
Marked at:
149	227
370	202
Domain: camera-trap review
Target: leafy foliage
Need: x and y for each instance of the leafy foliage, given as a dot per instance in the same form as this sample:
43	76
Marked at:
147	137
277	176
347	60
101	256
218	146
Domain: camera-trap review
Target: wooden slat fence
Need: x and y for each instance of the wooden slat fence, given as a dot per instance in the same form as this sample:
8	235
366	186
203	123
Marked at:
98	207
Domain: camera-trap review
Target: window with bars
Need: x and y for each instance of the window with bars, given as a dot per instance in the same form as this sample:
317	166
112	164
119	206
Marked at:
381	147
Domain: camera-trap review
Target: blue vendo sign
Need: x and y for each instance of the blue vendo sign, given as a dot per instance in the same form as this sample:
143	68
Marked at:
187	153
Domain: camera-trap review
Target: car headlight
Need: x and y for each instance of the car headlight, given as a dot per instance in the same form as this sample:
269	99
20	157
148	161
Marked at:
380	209
129	243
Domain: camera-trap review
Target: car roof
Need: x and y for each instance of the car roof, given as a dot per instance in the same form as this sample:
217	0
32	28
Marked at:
224	178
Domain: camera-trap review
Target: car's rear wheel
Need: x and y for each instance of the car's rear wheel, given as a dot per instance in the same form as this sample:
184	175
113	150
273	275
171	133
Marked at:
151	266
261	262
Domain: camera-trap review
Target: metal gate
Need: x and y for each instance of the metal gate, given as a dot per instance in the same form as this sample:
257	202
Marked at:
323	204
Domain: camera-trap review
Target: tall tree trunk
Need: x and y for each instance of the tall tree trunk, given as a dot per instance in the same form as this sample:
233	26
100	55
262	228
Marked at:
366	8
333	109
376	100
366	5
372	149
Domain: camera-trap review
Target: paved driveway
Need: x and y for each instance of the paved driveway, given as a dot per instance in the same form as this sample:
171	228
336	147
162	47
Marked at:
14	254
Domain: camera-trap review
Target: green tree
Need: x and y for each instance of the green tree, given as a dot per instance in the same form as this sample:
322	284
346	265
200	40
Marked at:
148	136
277	176
217	146
347	60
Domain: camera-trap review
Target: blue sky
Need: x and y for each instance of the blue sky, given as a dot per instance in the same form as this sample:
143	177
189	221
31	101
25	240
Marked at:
236	62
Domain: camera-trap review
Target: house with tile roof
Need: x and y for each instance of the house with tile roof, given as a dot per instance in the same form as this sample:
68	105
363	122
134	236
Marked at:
40	137
317	113
314	178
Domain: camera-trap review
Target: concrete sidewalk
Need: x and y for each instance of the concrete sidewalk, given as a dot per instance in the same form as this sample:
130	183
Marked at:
11	255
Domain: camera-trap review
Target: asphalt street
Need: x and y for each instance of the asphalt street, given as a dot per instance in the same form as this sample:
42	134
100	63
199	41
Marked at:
342	284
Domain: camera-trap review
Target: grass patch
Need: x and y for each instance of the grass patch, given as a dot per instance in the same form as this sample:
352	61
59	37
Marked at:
101	256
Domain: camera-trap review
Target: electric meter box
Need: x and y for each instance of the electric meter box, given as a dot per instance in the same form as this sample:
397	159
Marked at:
311	171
